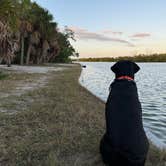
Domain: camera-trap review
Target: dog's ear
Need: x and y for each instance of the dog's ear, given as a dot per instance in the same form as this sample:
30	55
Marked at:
115	67
136	67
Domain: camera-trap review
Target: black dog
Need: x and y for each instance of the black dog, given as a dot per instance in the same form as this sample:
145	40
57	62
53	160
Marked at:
125	142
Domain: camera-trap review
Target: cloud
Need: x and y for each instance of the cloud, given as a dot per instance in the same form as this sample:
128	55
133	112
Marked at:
112	32
141	35
117	33
87	35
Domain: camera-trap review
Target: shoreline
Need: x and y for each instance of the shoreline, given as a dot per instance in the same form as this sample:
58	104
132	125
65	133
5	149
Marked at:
98	98
62	126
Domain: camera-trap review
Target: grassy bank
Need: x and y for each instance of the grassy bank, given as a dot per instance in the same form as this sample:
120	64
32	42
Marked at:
61	127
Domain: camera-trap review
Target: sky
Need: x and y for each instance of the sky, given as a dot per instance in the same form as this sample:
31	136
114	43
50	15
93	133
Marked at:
112	28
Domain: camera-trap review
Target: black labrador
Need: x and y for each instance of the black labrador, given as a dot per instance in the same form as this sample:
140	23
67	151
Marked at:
125	142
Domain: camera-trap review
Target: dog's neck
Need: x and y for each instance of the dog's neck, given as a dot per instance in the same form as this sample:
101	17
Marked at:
125	77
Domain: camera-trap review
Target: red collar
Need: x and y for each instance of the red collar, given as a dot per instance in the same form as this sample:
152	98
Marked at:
125	77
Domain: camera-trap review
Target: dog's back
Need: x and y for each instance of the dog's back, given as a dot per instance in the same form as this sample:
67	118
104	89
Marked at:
124	119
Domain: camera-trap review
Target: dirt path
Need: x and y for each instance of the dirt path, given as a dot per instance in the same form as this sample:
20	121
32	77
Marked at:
22	80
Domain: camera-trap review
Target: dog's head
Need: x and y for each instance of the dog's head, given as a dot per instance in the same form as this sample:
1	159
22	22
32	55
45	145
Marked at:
125	68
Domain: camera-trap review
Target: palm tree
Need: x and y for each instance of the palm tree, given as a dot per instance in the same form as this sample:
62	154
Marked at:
46	29
26	26
8	24
24	20
34	40
54	50
43	24
9	43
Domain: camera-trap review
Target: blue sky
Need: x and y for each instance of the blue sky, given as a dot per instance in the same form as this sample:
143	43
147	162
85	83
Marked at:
112	27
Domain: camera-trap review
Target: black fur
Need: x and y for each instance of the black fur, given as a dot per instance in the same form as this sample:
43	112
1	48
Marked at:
126	68
125	142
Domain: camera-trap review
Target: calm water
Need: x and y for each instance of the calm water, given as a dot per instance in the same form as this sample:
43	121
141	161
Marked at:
151	84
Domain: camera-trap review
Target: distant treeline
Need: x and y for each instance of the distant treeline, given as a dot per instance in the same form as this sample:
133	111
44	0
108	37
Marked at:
137	58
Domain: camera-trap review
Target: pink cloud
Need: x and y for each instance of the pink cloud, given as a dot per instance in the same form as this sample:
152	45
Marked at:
141	35
84	34
112	32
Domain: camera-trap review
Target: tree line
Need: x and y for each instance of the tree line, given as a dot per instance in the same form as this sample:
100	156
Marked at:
29	35
137	58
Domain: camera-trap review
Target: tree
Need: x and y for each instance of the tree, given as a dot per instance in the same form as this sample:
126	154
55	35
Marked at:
25	25
44	30
8	26
34	39
47	29
66	49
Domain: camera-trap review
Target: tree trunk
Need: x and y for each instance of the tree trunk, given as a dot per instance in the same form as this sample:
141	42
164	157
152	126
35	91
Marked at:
22	51
28	54
8	62
1	59
38	61
45	48
44	55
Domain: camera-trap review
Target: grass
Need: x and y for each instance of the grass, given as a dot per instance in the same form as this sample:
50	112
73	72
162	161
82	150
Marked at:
61	127
3	75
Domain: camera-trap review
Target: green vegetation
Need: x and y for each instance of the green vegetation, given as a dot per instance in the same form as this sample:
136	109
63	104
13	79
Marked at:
29	34
137	58
3	75
56	129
